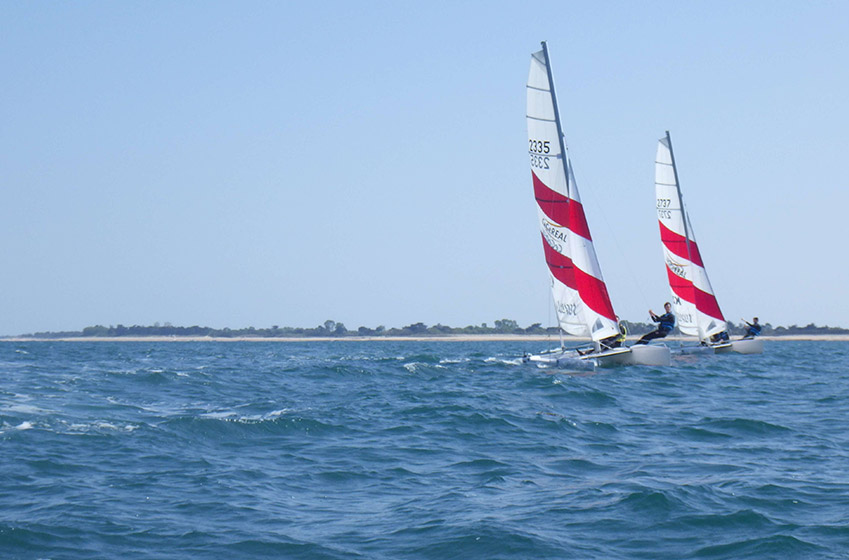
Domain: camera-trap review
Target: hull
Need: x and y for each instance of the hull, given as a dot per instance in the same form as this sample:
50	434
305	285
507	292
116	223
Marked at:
746	346
647	355
642	355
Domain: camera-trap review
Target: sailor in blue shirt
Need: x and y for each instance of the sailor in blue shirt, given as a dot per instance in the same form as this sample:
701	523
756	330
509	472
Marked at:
719	338
754	328
667	323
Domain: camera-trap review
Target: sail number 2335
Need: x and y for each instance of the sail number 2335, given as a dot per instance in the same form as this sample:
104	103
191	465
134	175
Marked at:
538	149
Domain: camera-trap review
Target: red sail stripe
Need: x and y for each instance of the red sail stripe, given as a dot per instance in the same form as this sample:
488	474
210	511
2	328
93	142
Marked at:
678	245
594	294
570	213
707	304
560	209
681	287
686	290
561	266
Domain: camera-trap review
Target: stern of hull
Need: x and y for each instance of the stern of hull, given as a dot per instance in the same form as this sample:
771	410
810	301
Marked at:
747	346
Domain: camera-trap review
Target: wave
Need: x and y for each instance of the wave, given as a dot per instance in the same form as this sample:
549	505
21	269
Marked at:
230	425
439	539
339	451
25	425
775	546
743	427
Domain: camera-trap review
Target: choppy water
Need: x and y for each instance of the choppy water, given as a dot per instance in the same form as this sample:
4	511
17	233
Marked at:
422	450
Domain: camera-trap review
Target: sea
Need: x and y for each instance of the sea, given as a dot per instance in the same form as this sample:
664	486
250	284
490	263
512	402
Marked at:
418	450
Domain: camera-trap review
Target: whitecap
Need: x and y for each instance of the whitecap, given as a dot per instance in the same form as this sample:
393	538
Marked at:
413	367
506	361
24	409
221	415
232	416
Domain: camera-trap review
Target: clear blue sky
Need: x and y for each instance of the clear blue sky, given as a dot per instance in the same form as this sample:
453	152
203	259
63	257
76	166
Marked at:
283	163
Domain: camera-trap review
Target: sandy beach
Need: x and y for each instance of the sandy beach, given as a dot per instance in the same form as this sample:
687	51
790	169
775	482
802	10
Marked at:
446	338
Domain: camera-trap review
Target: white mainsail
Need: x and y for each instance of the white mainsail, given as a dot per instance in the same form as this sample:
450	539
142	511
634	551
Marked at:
693	300
580	295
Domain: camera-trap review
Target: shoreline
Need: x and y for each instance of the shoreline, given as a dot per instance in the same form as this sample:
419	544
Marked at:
446	338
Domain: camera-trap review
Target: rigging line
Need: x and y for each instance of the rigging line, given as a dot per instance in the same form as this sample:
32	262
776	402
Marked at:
539	119
549	306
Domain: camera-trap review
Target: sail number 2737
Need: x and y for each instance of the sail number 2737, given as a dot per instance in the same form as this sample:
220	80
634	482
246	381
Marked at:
537	150
663	211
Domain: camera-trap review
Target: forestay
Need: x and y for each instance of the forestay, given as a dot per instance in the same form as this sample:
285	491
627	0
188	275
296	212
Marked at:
580	295
693	300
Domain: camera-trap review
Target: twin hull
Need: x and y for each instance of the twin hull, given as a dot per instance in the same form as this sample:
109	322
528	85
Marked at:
643	355
640	354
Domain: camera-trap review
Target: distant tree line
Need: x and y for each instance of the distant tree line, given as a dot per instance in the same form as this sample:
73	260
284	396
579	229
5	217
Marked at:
333	329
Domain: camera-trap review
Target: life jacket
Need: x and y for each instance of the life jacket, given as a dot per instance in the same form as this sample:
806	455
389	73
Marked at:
623	332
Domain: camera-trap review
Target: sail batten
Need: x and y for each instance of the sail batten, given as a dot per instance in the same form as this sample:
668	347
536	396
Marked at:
580	296
693	300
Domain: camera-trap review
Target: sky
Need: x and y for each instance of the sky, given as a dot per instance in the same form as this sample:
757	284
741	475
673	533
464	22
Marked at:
235	164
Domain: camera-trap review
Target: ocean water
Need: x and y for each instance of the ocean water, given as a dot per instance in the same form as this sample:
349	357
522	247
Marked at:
420	450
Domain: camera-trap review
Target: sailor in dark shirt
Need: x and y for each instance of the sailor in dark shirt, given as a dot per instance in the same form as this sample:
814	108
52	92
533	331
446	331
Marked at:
667	323
753	330
616	340
719	338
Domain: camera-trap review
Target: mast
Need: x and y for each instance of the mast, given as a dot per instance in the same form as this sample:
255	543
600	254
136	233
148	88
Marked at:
684	216
562	144
557	120
680	196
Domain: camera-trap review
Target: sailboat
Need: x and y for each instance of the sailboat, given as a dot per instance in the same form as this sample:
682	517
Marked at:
693	301
581	300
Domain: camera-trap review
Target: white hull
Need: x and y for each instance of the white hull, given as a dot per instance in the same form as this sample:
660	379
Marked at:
648	355
747	346
642	354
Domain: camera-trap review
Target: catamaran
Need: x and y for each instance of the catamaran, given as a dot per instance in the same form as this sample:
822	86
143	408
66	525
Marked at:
693	301
581	301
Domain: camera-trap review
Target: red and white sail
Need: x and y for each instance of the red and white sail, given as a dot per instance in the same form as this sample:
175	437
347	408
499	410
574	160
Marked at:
580	294
693	301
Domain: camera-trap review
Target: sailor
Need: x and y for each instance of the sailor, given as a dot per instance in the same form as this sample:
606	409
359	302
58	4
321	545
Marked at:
616	340
667	323
754	328
719	337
